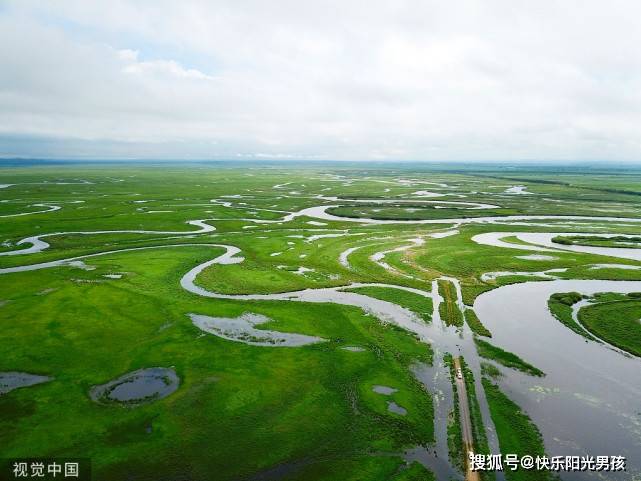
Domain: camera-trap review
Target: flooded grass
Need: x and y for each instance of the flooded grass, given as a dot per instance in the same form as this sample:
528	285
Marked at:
242	329
616	322
517	433
507	359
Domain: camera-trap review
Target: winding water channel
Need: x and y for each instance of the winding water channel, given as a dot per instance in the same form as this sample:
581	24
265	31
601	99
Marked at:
588	403
542	241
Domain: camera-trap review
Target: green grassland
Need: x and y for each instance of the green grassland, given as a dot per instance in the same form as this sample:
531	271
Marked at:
507	359
611	317
306	395
475	323
616	321
421	306
246	412
616	241
448	309
490	370
560	305
414	472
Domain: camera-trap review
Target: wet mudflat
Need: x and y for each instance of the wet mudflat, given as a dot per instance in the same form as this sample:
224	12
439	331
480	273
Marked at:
241	329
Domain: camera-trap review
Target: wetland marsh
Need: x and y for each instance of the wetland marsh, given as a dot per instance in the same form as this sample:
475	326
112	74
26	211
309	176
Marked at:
299	323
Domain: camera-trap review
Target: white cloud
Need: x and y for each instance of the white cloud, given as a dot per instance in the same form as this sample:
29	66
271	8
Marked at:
158	67
414	79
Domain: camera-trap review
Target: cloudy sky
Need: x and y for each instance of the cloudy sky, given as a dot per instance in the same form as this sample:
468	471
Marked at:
345	79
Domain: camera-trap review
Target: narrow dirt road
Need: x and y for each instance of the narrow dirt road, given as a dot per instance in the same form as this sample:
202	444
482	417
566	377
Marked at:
466	422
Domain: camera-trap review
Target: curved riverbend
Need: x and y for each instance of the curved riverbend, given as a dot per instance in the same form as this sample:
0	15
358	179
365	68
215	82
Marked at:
38	245
49	208
319	212
589	401
226	258
542	242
